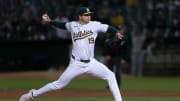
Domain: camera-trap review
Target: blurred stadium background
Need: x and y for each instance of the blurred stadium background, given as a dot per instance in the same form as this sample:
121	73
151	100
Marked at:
151	26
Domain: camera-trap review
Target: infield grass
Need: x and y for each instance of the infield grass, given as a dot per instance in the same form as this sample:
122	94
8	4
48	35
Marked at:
128	83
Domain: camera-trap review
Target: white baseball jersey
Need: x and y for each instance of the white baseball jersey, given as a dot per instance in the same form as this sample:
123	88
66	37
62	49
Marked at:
83	38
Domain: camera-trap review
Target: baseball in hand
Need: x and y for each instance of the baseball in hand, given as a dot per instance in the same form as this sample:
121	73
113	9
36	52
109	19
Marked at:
46	18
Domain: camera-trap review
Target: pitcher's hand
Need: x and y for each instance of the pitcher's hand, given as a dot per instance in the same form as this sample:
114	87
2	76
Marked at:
119	35
46	19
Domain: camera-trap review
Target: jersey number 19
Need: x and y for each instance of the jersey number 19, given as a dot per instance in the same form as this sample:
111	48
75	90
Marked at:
91	40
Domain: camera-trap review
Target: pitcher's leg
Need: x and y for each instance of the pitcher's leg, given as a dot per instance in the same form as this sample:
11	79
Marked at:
100	70
118	70
70	73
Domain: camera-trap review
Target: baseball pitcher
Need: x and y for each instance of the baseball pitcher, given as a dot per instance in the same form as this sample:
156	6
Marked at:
84	33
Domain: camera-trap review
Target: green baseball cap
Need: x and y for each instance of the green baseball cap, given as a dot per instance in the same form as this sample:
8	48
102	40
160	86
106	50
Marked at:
84	11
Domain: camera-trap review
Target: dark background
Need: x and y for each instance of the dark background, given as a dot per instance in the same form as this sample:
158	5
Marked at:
26	44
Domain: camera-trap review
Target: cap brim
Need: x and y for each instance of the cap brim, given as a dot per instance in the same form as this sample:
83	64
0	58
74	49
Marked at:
88	13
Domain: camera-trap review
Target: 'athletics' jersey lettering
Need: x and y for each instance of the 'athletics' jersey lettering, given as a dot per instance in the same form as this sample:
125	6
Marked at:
82	34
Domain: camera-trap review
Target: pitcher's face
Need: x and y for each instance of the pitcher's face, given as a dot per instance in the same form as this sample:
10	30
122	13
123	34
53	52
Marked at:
84	19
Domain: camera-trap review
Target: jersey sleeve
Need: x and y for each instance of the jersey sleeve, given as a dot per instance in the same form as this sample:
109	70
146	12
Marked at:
68	27
101	27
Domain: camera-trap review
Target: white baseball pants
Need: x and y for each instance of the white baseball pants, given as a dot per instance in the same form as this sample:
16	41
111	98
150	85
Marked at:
77	68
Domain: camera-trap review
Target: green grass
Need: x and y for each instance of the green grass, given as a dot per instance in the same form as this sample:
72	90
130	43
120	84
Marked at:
128	83
152	83
22	84
107	99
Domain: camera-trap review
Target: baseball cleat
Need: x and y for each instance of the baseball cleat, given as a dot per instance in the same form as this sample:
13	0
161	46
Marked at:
27	96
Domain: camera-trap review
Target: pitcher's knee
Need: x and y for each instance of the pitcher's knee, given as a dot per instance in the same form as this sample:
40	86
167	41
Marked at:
110	75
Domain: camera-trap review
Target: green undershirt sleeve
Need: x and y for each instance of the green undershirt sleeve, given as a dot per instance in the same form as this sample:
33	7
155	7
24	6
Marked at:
111	30
58	24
